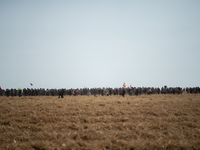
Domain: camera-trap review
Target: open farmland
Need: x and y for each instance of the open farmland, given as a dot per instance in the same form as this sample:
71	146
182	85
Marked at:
102	122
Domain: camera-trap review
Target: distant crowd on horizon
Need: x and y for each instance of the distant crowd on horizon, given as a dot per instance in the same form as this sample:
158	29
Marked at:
97	91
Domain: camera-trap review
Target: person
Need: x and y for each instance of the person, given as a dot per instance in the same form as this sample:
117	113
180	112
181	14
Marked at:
123	92
136	92
88	92
7	92
81	91
1	91
102	92
158	90
131	92
12	91
20	92
149	91
95	92
52	92
61	92
107	93
76	92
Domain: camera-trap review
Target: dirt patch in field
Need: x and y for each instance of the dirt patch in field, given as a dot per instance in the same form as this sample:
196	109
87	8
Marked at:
108	122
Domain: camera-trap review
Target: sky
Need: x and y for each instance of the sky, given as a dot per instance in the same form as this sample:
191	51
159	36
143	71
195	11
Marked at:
91	43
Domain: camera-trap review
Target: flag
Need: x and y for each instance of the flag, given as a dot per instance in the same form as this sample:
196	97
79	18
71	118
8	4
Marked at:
124	85
130	86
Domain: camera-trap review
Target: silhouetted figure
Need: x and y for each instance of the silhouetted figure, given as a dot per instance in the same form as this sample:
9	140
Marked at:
12	92
123	92
95	93
20	92
7	92
136	92
1	92
61	92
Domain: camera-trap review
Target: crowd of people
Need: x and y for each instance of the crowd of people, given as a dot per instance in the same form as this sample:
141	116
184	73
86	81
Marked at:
97	91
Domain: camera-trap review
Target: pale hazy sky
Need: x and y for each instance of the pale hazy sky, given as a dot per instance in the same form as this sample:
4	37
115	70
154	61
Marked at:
99	43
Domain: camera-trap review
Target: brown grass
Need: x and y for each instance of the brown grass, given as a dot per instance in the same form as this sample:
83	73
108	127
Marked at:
108	122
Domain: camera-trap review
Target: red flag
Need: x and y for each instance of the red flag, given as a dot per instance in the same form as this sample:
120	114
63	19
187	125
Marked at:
124	85
130	86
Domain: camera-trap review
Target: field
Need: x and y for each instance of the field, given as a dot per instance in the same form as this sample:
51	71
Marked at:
102	122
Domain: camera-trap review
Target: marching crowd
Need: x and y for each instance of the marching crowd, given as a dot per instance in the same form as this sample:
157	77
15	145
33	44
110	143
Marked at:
97	91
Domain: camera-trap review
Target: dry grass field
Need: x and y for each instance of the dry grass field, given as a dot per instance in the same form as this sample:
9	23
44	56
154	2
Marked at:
102	122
